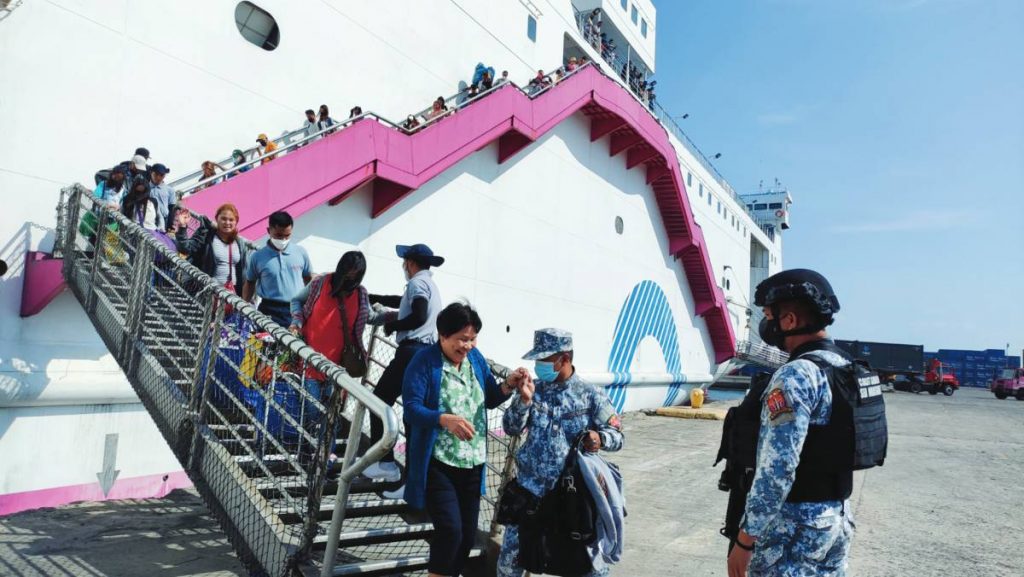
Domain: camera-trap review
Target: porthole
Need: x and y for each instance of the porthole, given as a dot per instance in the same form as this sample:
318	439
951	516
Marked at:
508	329
3	267
257	25
619	224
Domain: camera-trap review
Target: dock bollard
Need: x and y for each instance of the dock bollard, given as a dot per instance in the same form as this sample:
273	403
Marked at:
696	398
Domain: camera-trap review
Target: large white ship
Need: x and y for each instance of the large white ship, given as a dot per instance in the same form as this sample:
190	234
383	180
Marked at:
576	203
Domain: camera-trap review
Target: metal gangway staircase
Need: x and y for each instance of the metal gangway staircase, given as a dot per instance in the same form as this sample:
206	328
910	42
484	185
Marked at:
225	387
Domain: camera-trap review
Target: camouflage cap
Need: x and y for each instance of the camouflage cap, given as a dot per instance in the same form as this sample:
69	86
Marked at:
547	342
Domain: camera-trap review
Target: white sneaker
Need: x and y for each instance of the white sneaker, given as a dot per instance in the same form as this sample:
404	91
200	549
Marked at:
398	493
384	471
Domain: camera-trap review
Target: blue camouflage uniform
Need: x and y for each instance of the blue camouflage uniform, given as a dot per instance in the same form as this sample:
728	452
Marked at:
794	539
557	414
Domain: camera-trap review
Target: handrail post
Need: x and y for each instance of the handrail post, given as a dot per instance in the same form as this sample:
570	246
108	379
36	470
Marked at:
344	484
355	433
317	469
73	208
142	265
201	382
97	256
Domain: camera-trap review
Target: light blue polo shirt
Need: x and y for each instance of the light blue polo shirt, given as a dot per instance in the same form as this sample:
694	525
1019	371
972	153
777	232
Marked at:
278	274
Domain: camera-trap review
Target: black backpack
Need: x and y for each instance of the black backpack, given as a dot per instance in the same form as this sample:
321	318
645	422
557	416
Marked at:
554	539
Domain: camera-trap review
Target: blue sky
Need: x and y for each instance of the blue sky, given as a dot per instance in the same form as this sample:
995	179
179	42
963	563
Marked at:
897	125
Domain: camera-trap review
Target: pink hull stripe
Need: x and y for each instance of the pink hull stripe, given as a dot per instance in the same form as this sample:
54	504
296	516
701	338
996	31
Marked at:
146	487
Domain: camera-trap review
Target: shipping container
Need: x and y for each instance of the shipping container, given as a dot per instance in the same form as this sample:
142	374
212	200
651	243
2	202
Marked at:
886	356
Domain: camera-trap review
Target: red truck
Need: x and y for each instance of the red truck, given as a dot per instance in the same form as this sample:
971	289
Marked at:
940	378
1008	383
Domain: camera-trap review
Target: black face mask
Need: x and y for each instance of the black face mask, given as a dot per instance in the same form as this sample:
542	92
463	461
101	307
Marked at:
771	333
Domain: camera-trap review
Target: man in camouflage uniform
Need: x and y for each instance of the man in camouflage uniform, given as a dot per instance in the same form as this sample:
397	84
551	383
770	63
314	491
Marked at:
556	409
781	536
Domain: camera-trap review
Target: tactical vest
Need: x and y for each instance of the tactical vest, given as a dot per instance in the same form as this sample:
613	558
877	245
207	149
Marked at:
856	436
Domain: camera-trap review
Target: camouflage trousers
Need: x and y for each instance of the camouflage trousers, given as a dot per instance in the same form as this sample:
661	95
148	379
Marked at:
508	560
805	547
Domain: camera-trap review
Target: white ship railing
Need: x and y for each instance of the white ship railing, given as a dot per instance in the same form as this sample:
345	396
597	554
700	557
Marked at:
297	138
666	118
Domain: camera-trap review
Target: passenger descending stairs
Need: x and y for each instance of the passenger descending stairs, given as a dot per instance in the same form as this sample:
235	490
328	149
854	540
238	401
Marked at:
259	460
151	317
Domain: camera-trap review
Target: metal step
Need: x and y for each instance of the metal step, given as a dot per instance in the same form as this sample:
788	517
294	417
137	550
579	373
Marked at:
356	509
272	489
414	532
391	566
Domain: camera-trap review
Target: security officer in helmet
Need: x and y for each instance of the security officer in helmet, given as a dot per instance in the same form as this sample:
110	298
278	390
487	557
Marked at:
818	424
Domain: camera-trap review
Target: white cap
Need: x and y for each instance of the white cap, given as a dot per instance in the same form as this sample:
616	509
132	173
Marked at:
139	161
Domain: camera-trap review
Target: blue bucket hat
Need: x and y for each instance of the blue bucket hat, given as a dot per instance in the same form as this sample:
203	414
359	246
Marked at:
547	342
419	253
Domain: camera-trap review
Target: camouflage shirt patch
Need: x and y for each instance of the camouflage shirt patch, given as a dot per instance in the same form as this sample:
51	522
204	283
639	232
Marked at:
779	410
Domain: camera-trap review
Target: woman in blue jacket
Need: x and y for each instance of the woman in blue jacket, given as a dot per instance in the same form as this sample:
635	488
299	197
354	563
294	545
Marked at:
447	390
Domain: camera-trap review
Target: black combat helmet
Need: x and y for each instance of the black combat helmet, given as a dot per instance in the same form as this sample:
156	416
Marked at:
798	284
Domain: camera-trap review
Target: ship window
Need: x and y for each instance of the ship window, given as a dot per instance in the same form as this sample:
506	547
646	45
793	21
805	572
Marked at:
689	179
257	25
643	28
775	205
618	224
633	14
709	198
3	267
624	3
700	189
531	27
761	206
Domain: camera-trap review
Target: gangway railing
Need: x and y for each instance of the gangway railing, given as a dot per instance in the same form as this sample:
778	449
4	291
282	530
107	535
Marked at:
228	389
233	394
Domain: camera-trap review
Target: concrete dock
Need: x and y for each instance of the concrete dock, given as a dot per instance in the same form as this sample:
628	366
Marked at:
947	502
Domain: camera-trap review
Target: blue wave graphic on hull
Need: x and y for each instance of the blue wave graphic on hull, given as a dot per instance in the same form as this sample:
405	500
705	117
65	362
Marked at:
646	313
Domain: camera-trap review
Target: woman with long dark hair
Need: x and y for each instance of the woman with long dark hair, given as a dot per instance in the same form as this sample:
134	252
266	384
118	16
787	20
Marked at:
331	312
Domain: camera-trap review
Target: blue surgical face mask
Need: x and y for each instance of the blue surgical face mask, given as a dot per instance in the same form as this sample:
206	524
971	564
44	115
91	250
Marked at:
545	371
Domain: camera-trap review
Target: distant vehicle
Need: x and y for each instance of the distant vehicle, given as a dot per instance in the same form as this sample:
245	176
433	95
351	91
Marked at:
903	366
939	377
908	383
1009	383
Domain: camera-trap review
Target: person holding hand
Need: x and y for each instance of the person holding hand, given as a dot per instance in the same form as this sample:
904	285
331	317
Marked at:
556	409
447	390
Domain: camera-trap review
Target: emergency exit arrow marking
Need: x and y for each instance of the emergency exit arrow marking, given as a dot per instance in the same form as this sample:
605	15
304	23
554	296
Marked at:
108	475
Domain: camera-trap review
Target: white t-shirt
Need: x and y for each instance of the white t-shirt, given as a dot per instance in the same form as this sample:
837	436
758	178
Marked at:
220	255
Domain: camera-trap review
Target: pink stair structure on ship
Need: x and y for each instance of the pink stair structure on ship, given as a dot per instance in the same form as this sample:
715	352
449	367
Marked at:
395	163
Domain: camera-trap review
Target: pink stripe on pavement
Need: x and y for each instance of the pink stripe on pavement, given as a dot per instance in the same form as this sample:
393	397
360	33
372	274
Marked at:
146	487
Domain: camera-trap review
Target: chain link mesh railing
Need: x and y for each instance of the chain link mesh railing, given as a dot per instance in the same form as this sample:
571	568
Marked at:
233	394
758	353
271	449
